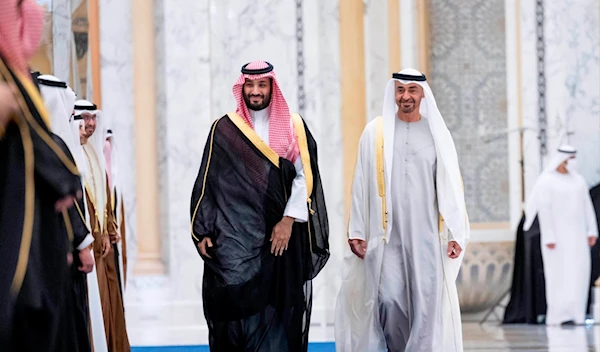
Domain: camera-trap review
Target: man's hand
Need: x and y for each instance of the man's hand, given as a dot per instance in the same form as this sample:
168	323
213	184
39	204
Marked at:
454	250
592	241
281	235
64	203
206	242
8	104
551	245
114	236
87	261
105	246
358	247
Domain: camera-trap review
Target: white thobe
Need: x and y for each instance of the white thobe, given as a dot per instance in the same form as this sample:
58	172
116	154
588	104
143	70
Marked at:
410	292
567	218
403	295
296	205
95	182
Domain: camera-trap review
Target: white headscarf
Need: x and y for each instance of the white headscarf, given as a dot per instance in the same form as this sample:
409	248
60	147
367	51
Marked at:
114	163
451	199
97	139
564	152
59	100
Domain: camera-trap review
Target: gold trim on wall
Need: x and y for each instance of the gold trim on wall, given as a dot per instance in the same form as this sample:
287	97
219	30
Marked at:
94	50
353	86
394	35
423	35
146	152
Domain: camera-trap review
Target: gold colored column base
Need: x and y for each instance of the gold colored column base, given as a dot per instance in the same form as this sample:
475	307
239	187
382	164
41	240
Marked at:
149	264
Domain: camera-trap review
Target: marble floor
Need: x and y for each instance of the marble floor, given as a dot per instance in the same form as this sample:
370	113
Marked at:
488	337
530	338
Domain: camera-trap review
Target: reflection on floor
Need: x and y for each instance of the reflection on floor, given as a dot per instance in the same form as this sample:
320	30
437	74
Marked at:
531	338
488	337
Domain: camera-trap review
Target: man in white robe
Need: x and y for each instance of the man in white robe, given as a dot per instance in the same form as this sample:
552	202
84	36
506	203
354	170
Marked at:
92	170
104	226
568	228
408	227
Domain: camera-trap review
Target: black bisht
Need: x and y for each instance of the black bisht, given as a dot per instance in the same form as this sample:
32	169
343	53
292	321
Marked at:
35	172
252	299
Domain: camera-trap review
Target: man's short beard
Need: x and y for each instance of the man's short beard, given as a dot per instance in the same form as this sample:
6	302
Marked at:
406	111
257	107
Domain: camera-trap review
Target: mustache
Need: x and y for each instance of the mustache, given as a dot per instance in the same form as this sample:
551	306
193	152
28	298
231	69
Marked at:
407	101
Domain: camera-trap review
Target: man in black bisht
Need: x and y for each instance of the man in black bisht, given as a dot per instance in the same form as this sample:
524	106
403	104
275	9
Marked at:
259	221
38	181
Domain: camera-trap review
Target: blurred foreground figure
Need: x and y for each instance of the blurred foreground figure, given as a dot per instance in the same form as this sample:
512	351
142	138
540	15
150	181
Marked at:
60	100
38	181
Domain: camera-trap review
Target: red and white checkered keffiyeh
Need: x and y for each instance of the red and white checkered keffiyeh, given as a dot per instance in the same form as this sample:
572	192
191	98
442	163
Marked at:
281	132
20	32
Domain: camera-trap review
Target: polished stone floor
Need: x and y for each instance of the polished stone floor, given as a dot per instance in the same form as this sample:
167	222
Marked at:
489	337
530	338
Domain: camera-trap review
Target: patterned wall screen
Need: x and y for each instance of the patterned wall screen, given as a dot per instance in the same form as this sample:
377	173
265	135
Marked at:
468	78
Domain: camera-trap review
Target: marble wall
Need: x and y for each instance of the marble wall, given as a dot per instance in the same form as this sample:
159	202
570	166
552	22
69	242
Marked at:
376	55
468	77
116	60
61	32
572	73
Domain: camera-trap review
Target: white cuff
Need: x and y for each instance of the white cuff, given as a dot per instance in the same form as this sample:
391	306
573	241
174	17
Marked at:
86	242
297	206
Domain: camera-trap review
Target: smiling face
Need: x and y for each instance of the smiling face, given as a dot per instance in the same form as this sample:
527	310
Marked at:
89	124
257	93
408	97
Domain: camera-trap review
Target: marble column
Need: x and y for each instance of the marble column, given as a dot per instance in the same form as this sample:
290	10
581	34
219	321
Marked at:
116	59
408	30
321	37
61	39
377	59
149	237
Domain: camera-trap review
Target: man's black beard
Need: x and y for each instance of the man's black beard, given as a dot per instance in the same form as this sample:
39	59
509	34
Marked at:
400	108
257	107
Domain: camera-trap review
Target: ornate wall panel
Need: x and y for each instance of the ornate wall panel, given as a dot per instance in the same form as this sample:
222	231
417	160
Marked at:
468	78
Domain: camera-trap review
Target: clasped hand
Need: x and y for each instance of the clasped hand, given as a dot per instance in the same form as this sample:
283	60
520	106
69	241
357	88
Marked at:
280	237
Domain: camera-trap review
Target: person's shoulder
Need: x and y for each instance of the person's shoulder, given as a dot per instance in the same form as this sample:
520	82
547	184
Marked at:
371	126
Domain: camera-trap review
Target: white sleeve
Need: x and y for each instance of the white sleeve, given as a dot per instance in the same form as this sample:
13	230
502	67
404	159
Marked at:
297	207
357	226
86	242
590	215
546	218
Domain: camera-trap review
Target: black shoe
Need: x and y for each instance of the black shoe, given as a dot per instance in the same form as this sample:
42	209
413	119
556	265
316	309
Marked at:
568	323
